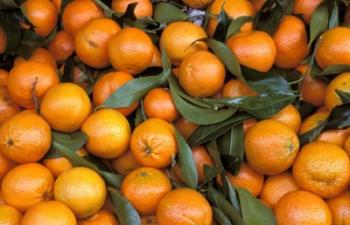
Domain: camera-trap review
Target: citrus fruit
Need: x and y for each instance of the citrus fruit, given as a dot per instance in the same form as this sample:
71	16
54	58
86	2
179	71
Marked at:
62	46
340	208
290	116
197	4
313	121
306	8
3	77
237	88
9	215
42	55
149	220
185	127
125	163
5	165
7	107
340	83
144	8
102	217
336	137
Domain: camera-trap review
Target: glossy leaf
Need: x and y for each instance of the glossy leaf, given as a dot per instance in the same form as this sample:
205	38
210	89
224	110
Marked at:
335	69
232	194
9	22
339	117
270	20
319	21
140	114
167	13
236	24
215	155
311	135
73	141
286	5
345	96
220	217
29	43
210	173
223	22
334	19
8	4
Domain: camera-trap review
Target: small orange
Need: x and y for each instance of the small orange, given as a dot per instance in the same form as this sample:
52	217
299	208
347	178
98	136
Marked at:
291	42
202	74
340	208
9	215
158	103
271	147
234	9
306	8
62	46
290	116
7	107
26	137
3	77
26	185
156	58
102	217
341	83
149	220
77	13
107	85
130	50
247	124
197	4
44	56
347	145
276	187
18	60
49	213
333	47
302	208
29	81
313	121
125	163
323	169
336	137
5	166
144	8
185	127
3	40
258	4
254	49
108	133
180	39
82	190
58	4
144	187
237	88
2	201
184	206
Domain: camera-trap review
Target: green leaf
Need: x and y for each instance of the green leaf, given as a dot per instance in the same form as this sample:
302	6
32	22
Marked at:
220	217
311	135
215	155
335	69
254	212
72	141
107	10
126	213
227	57
235	25
8	4
269	21
186	162
223	22
339	117
10	23
345	96
133	91
53	154
166	64
30	42
334	19
319	21
232	194
167	13
210	173
140	114
286	5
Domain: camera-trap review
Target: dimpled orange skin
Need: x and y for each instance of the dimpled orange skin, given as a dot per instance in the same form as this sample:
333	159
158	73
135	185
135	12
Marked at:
333	47
125	163
49	213
347	145
27	75
77	13
42	14
275	187
9	215
62	46
107	85
197	4
153	143
341	83
158	103
130	50
302	208
3	40
323	169
3	77
254	49
291	42
179	39
5	166
306	8
144	188
237	88
185	127
234	9
313	121
290	116
108	133
340	208
42	55
202	74
91	41
336	137
184	206
26	137
26	185
7	107
144	8
271	147
102	217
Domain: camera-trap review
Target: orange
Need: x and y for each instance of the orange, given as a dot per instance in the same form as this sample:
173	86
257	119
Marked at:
2	201
7	107
91	41
234	9
258	4
49	213
102	217
276	187
336	137
291	42
108	133
323	169
3	77
185	127
306	8
29	81
302	208
125	163
290	116
26	185
144	188
42	14
247	124
254	49
107	85
340	208
156	58
9	215
313	121
77	13
158	103
153	143
197	4
237	88
130	50
62	46
184	206
340	83
26	137
180	39
347	145
18	60
3	40
149	220
333	47
44	56
5	166
57	4
144	8
82	190
202	74
65	107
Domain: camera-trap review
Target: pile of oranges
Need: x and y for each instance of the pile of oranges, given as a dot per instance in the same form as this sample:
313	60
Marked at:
192	112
